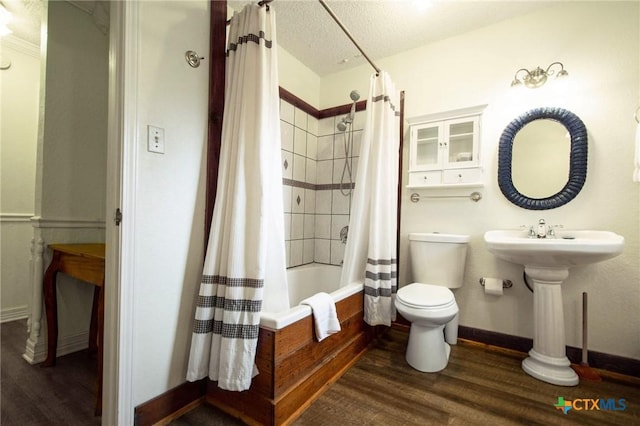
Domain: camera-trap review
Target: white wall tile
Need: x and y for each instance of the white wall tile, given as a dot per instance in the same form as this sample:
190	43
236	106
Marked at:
286	112
286	135
340	203
296	252
287	226
312	125
357	142
312	146
323	202
299	167
297	226
301	119
310	173
287	164
309	201
287	246
308	250
322	251
338	145
325	147
309	226
323	226
338	169
324	171
286	198
297	200
300	142
337	252
338	221
326	126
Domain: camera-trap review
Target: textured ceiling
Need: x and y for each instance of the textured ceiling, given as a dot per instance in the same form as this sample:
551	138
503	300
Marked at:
305	29
26	19
381	27
27	16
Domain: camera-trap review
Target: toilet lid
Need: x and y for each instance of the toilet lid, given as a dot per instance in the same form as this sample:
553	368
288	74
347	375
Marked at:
424	295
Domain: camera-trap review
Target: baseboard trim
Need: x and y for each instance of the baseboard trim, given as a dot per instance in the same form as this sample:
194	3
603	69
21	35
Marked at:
14	314
167	406
36	352
614	363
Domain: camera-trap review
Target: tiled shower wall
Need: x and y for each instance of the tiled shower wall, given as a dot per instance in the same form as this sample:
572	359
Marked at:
315	210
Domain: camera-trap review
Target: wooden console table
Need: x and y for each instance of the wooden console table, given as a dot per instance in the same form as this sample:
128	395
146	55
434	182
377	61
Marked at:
84	262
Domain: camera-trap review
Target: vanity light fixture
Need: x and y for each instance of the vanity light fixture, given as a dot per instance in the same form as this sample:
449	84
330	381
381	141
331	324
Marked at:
537	77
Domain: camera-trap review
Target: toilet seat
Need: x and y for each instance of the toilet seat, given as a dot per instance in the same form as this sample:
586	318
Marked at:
425	296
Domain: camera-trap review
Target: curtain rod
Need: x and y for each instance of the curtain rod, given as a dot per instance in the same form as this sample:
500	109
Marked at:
260	3
346	31
340	24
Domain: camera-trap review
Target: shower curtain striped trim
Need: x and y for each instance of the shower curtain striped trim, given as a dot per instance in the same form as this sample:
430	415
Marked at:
386	98
250	37
208	302
377	272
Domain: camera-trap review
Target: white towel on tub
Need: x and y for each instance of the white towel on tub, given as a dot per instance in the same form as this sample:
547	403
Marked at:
324	314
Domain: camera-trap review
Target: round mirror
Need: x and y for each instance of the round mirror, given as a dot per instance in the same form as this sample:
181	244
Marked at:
542	158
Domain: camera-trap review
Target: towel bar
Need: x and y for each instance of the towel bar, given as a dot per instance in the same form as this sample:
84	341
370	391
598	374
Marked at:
474	196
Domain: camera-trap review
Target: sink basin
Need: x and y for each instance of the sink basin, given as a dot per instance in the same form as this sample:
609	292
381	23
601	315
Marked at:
546	264
568	248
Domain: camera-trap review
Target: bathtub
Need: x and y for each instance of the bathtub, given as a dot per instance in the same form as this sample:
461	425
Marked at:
293	365
305	281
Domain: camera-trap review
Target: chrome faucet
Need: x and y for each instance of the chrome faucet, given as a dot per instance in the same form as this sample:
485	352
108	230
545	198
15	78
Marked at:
542	229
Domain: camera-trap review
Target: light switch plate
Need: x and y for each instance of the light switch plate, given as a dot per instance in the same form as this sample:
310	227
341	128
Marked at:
155	139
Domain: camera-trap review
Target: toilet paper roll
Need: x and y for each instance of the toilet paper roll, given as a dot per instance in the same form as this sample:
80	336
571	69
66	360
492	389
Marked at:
493	286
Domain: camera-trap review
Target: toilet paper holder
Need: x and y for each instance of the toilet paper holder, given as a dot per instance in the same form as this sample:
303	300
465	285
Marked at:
505	283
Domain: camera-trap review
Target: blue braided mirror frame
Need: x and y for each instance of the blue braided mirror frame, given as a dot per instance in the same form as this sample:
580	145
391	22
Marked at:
577	160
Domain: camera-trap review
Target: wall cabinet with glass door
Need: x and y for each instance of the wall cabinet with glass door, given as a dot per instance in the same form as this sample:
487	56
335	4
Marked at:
444	152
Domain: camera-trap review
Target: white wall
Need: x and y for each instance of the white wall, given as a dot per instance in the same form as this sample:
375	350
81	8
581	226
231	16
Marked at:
70	189
599	44
169	222
19	86
169	227
299	79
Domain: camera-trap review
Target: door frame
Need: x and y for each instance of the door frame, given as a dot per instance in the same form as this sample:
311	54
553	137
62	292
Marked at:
122	141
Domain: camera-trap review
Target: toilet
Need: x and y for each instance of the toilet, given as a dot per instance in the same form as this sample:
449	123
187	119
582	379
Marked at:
437	264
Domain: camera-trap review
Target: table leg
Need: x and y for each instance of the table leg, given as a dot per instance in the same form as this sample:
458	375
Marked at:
51	308
93	328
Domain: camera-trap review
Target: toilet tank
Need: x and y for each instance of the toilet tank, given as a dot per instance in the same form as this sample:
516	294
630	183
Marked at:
438	259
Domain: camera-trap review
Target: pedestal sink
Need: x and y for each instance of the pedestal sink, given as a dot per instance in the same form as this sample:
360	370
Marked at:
546	262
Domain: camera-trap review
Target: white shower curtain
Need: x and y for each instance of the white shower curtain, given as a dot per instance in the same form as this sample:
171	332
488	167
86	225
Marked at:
244	269
370	254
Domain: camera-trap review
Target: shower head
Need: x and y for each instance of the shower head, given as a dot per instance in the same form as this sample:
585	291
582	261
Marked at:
355	95
342	125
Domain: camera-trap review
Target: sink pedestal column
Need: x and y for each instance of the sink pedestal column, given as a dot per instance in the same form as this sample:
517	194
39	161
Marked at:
547	360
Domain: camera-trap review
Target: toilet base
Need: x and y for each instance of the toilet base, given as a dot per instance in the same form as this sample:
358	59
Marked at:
427	350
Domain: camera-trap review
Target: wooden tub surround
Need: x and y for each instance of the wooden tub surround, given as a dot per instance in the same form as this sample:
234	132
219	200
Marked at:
295	368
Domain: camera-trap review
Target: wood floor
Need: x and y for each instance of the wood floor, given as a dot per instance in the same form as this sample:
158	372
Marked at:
31	395
480	386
